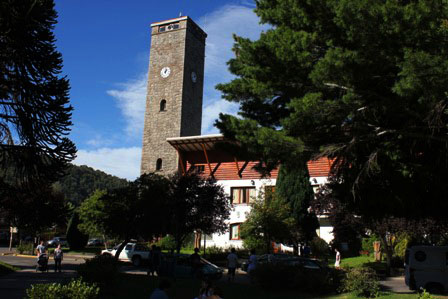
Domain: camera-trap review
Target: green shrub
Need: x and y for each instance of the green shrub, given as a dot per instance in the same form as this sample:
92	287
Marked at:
401	245
255	243
319	248
167	243
102	270
25	248
76	289
367	243
362	282
425	295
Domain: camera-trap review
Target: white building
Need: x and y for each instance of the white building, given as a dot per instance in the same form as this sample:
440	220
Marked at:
205	154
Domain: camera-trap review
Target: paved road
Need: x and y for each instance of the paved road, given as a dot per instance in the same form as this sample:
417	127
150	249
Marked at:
14	285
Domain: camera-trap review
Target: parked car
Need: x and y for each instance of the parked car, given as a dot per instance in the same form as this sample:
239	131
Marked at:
286	259
95	242
427	267
56	241
179	266
132	252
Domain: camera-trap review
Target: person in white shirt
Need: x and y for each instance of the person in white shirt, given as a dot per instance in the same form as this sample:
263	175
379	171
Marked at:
337	264
232	264
252	264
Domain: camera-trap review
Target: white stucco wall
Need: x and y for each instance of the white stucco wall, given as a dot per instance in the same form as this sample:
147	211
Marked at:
239	211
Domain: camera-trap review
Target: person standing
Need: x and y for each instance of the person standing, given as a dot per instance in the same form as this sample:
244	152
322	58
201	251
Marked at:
195	262
232	263
337	263
252	264
151	257
41	249
58	257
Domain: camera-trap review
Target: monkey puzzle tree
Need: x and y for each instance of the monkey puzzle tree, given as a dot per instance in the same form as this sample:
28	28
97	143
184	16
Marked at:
34	110
34	103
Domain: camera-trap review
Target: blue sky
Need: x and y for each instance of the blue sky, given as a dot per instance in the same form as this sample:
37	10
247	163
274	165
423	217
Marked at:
105	46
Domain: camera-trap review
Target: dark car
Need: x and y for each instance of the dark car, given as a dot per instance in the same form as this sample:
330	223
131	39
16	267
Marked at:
286	259
95	242
57	241
179	266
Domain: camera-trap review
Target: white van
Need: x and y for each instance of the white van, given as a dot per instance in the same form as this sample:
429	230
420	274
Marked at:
427	267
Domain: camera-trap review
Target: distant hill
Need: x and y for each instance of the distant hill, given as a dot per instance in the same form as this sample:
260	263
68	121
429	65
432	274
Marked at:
81	181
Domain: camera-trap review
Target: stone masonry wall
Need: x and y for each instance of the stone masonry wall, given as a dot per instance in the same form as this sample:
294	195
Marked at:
182	116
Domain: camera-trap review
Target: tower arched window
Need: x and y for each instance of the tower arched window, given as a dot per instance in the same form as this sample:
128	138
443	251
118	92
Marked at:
159	164
162	105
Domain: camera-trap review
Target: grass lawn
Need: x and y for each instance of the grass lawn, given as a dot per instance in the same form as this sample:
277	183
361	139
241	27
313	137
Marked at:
140	286
6	268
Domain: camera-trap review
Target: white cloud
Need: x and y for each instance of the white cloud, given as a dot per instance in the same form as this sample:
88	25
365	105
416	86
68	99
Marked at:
211	111
131	99
121	162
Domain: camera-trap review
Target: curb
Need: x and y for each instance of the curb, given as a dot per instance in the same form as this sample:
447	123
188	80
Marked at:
25	255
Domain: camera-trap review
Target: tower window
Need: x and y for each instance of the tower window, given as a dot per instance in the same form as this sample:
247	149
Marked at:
162	105
159	164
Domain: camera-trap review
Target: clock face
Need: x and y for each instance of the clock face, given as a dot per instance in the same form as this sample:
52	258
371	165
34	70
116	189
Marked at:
165	72
193	77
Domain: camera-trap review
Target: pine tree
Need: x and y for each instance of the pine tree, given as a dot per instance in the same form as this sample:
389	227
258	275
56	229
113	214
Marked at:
75	238
294	187
363	82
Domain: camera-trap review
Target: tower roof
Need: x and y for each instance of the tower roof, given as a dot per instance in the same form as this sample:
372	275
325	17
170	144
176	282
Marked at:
169	21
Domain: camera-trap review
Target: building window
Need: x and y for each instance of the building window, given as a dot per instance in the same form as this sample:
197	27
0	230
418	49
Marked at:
235	231
169	27
162	105
159	164
243	195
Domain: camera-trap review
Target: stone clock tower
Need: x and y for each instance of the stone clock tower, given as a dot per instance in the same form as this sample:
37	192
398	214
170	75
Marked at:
174	95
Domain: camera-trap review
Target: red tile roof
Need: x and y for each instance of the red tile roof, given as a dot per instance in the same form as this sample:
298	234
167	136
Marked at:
320	167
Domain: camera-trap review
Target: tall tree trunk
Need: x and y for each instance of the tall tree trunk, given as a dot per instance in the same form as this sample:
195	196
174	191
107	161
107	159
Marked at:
389	253
120	248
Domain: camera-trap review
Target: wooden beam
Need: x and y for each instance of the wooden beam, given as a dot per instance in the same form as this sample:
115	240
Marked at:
180	159
216	168
240	172
237	167
206	158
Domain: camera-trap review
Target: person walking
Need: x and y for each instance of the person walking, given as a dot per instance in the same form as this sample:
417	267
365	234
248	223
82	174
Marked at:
58	257
232	263
337	263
